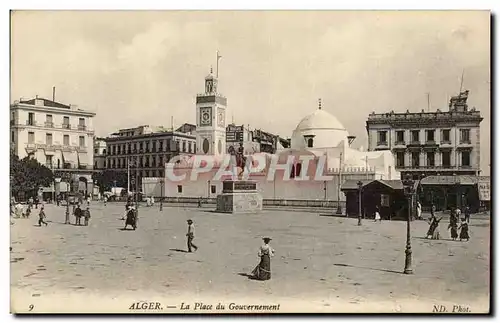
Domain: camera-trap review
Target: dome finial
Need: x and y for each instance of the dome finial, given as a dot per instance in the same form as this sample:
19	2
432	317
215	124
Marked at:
211	70
319	103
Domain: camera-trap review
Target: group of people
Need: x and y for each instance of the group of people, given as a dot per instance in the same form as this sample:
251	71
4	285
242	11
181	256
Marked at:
79	214
453	226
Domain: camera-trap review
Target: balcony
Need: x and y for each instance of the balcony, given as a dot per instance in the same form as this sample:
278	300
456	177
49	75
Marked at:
465	142
446	142
379	143
30	122
400	143
81	149
49	124
66	126
82	127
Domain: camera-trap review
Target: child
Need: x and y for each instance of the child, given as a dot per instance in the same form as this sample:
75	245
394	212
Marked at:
86	215
464	230
377	215
41	217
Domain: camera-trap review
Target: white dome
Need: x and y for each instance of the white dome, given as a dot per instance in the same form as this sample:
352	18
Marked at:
325	130
320	119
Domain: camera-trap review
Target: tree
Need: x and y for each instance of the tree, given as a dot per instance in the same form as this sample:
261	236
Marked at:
28	175
106	179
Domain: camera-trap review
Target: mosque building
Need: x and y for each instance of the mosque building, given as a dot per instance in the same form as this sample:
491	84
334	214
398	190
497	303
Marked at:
319	139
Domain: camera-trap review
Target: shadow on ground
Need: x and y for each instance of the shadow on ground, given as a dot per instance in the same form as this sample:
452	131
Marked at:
377	269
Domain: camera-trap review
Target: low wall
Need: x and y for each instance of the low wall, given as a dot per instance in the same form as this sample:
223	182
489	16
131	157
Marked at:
266	202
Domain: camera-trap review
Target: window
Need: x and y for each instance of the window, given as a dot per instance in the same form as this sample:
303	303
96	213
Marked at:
104	151
430	135
415	136
160	173
146	161
48	161
147	146
12	136
213	189
48	139
66	123
81	121
310	143
466	158
160	145
167	145
194	147
189	147
382	138
415	159
66	140
95	151
140	146
104	164
153	148
446	136
31	119
400	137
119	149
81	141
48	121
31	137
153	161
179	188
430	159
95	164
12	117
446	158
465	136
400	159
183	146
160	161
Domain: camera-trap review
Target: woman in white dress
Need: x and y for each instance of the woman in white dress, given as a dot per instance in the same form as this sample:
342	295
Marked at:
377	215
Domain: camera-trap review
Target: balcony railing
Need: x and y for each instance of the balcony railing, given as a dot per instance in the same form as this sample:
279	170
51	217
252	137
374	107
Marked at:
430	142
66	126
49	124
465	142
445	142
82	127
30	122
379	143
400	142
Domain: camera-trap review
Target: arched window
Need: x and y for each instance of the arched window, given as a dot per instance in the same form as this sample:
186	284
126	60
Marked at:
310	143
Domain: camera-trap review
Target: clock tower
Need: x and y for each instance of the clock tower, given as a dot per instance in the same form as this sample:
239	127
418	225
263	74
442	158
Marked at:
211	120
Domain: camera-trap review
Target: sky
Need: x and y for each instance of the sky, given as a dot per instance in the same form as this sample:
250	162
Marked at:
134	68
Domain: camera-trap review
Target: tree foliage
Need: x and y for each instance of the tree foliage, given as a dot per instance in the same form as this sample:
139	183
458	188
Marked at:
28	175
105	179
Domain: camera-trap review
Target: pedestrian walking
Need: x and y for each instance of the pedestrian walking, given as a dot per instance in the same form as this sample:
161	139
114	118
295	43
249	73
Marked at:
78	215
88	201
433	231
433	211
36	202
464	230
105	200
377	215
190	236
419	210
263	270
41	217
453	226
86	215
467	214
28	212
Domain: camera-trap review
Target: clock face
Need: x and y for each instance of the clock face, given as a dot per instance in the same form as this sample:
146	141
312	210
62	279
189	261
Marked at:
205	116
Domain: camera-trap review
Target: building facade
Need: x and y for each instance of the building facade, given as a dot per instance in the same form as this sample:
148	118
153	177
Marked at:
59	136
430	143
99	153
144	150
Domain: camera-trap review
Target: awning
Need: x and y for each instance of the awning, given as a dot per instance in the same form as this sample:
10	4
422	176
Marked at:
70	157
353	185
82	159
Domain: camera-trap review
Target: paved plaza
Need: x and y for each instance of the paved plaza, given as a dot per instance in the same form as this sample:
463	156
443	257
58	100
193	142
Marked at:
322	263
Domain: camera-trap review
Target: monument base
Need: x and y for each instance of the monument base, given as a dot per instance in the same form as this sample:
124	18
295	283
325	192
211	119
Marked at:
239	197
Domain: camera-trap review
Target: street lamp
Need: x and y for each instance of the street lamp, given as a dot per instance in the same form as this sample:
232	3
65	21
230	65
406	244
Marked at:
360	190
457	190
409	190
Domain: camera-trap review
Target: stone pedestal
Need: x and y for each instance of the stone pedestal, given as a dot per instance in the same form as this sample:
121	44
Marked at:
239	197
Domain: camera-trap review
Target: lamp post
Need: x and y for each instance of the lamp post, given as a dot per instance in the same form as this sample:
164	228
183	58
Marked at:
360	190
67	177
409	190
457	191
162	182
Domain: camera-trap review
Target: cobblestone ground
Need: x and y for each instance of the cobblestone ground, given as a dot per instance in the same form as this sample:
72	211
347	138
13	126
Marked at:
322	263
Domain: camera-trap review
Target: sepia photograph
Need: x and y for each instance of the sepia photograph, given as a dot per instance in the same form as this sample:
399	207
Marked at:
250	162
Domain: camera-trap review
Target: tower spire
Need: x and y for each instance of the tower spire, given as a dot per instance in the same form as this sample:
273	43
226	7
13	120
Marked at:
319	103
211	70
217	69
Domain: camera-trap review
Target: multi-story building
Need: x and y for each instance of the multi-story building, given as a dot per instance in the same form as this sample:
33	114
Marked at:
253	141
144	150
99	153
430	143
59	136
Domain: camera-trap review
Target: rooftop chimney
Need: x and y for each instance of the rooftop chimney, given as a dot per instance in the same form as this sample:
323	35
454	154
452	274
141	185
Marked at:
54	93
